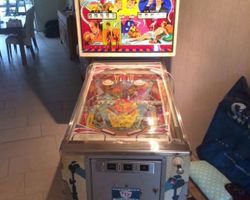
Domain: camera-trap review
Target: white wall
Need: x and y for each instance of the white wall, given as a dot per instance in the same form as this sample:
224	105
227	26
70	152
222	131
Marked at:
213	51
46	10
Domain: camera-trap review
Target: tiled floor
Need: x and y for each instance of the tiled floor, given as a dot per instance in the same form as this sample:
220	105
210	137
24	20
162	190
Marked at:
36	102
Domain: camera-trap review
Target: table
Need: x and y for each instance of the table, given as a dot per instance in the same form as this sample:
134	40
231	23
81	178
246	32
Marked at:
15	30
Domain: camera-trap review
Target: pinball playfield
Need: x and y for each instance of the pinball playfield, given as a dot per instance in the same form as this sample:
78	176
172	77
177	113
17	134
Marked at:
124	103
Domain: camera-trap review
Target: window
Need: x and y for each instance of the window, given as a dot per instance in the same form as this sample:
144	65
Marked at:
14	7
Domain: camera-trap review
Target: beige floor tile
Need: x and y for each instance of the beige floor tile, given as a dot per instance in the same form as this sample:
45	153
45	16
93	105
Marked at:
59	138
40	181
2	105
37	196
56	192
22	109
10	104
34	163
13	122
32	106
4	167
28	147
43	117
56	195
47	181
11	186
15	134
53	128
7	112
15	95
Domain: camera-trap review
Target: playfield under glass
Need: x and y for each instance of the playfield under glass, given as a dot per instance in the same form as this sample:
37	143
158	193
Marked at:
125	103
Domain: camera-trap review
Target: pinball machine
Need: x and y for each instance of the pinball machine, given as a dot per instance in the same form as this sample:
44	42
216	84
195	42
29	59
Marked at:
125	139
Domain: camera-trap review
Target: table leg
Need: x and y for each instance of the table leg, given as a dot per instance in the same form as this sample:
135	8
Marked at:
23	55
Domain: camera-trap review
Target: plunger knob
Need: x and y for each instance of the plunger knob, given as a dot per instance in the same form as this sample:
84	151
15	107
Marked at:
178	162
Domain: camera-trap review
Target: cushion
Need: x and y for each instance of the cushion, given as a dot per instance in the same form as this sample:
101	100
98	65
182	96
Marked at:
227	141
210	181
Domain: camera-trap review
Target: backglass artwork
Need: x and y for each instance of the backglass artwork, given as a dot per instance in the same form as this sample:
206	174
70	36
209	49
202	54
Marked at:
127	27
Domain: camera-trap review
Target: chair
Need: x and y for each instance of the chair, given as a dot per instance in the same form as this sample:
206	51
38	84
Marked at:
25	36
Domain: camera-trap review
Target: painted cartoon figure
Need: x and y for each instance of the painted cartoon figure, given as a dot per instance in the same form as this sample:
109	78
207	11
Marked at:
153	36
160	6
131	4
89	38
109	35
170	30
108	6
149	6
116	38
133	32
96	8
126	26
96	29
174	183
95	33
155	5
111	31
117	6
152	25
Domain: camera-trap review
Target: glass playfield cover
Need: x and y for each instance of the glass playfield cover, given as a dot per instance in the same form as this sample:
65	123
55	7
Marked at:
126	27
125	102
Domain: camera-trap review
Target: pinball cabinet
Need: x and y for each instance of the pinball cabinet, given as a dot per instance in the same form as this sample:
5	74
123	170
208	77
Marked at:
125	140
